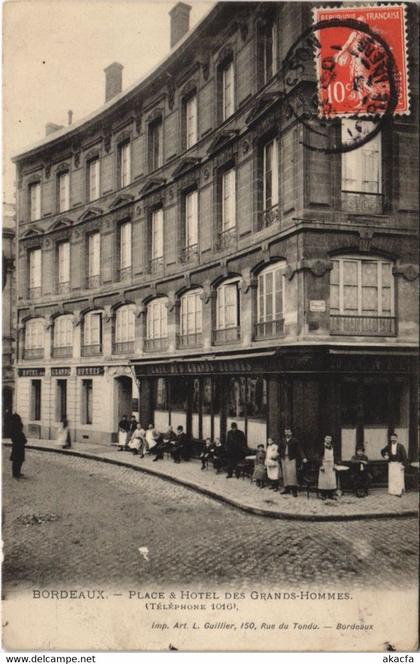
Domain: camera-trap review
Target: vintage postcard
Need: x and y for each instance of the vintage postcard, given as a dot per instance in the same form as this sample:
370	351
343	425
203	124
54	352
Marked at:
210	326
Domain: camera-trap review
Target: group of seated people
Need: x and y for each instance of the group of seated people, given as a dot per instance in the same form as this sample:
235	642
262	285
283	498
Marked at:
271	465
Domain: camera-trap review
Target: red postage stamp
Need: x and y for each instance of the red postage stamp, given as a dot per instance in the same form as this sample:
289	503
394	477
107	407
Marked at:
362	61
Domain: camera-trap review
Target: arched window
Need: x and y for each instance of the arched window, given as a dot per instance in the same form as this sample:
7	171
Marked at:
228	312
124	329
63	336
157	324
191	319
362	296
92	333
34	338
270	302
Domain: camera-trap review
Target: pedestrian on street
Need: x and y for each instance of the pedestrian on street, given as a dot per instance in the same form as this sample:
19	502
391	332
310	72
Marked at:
235	450
292	457
181	442
123	431
138	442
327	478
218	456
359	472
207	454
260	473
64	438
17	456
166	443
394	452
152	438
272	465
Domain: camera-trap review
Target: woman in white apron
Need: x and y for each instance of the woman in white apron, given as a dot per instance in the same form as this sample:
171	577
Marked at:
396	456
327	479
272	464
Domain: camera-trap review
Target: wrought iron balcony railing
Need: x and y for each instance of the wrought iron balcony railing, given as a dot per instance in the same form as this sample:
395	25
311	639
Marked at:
362	202
194	340
269	329
94	281
156	265
270	216
156	344
227	239
120	347
190	254
88	350
63	287
62	351
125	273
226	335
33	353
376	326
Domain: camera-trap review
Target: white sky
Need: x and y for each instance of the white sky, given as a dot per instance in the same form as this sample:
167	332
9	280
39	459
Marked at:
54	53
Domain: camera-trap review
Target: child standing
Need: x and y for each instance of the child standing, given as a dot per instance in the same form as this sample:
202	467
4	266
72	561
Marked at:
259	467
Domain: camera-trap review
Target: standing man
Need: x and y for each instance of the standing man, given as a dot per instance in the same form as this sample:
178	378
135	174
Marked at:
396	456
235	449
291	456
17	456
327	478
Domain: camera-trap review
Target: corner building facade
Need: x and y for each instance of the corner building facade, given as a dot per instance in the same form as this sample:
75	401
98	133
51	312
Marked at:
182	254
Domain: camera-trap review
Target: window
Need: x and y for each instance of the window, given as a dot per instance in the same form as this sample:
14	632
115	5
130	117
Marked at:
35	272
124	329
34	338
229	200
92	333
61	393
35	201
270	302
227	312
191	219
124	165
362	296
228	90
270	175
63	266
361	169
190	110
270	52
155	144
87	401
35	400
93	179
94	259
157	239
191	316
63	192
125	249
157	319
63	336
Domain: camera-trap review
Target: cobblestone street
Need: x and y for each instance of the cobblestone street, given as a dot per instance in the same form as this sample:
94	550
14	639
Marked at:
77	521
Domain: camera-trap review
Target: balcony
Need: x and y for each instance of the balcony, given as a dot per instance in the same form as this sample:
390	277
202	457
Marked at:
226	335
33	353
63	287
94	281
125	274
156	344
194	340
269	329
360	202
91	350
190	254
62	351
227	239
156	265
123	347
34	293
369	326
270	216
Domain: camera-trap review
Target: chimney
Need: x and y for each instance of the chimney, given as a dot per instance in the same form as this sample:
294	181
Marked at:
113	80
70	117
180	21
50	127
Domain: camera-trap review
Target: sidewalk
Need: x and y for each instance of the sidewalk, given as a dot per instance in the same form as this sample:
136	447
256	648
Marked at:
242	493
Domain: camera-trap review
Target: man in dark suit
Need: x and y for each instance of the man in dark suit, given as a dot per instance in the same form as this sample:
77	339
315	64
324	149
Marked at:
181	446
235	449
